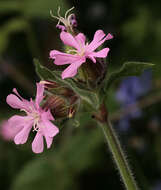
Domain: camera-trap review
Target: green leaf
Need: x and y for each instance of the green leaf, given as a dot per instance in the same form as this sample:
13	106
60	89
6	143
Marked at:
86	95
128	69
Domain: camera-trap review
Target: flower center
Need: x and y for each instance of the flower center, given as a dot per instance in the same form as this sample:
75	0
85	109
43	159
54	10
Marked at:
35	116
81	52
82	49
76	52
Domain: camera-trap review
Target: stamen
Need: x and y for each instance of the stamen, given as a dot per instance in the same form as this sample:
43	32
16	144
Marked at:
54	15
68	12
58	12
72	51
59	18
25	111
35	127
36	122
65	20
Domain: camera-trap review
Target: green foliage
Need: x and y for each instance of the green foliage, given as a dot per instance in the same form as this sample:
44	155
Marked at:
135	34
8	6
37	175
87	96
128	69
111	102
31	10
36	8
58	169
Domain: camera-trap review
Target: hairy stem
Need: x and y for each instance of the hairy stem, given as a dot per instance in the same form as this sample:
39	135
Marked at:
118	156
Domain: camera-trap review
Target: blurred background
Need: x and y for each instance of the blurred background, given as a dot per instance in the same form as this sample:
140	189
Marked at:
79	158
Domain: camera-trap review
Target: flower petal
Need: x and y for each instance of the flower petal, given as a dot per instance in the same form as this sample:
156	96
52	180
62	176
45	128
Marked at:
49	141
17	120
61	27
49	116
80	38
109	36
9	131
22	136
102	53
99	34
91	57
99	39
63	58
16	123
38	143
71	70
15	91
39	93
69	40
53	53
47	126
50	129
14	101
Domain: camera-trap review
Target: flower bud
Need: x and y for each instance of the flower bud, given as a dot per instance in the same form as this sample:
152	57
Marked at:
63	101
57	106
57	89
93	74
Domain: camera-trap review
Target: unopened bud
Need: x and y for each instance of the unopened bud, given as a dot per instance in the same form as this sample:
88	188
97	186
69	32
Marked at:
57	106
93	73
57	89
49	84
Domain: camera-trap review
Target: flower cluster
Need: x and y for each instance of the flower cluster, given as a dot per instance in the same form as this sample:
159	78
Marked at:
40	113
81	50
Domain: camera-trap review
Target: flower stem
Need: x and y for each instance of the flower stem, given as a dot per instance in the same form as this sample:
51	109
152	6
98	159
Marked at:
118	155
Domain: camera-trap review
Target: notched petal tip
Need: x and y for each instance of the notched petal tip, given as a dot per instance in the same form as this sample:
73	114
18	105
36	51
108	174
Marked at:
49	141
109	36
99	34
14	101
52	54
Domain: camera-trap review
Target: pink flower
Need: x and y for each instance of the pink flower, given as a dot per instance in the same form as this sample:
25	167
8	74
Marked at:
81	51
35	117
7	131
